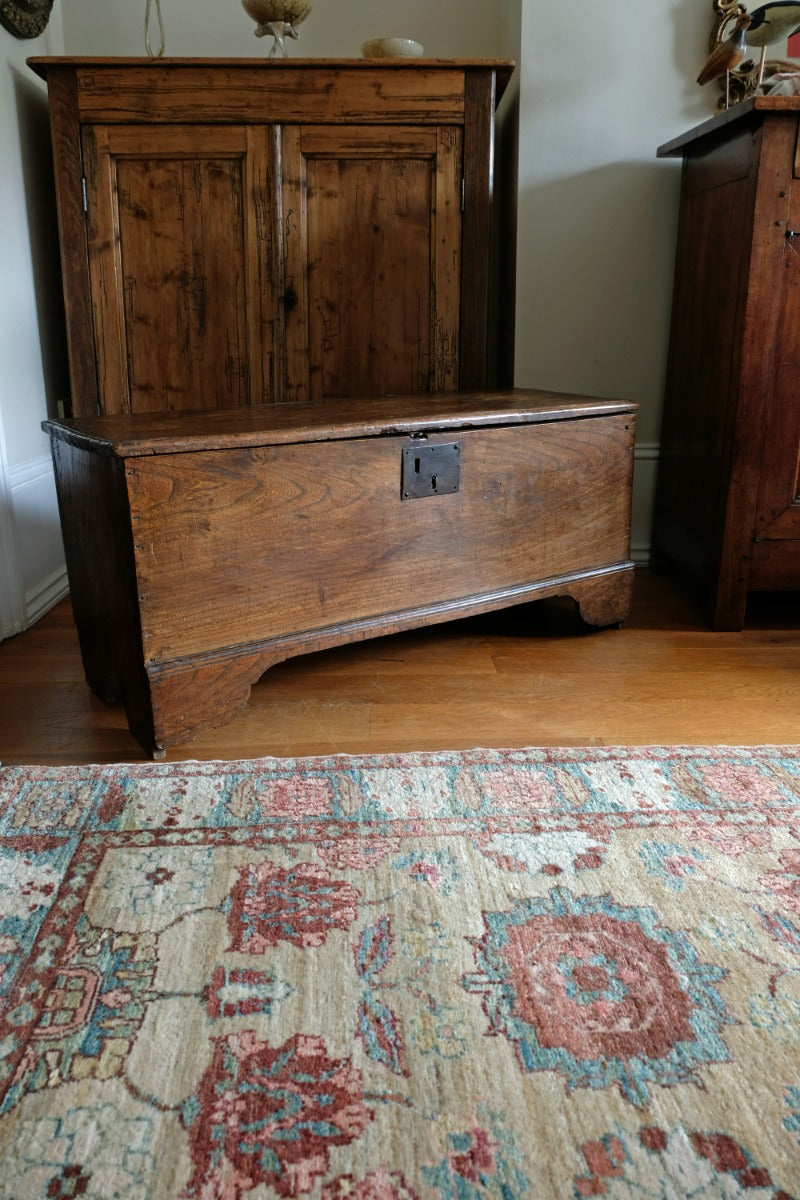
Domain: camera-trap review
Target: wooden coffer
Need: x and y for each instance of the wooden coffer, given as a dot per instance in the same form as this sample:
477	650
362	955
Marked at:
201	549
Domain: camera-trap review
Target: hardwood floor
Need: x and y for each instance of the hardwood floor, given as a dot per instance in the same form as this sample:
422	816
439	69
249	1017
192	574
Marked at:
535	676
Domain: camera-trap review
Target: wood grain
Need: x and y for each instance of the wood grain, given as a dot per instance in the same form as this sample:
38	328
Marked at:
479	164
96	530
778	508
267	233
268	542
277	425
119	89
65	133
225	559
727	513
376	206
528	676
177	287
226	91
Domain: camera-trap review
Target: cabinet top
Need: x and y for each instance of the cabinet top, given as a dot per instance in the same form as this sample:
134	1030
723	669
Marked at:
41	63
503	67
729	120
221	90
284	424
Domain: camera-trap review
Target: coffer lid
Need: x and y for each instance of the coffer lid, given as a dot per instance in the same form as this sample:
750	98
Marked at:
281	424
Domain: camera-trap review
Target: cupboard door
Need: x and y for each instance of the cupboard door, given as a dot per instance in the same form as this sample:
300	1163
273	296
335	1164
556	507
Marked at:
372	246
181	237
779	500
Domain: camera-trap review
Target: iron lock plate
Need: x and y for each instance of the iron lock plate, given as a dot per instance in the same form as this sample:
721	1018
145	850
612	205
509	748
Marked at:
430	470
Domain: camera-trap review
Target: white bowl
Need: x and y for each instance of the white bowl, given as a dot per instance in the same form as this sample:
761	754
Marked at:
391	47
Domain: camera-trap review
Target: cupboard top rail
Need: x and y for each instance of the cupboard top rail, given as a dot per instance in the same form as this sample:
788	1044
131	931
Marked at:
132	89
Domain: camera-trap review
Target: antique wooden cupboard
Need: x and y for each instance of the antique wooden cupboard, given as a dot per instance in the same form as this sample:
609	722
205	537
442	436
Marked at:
255	231
727	511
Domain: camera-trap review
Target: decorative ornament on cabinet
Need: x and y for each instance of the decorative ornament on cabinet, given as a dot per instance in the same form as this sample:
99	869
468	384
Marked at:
25	18
279	19
735	31
392	47
148	17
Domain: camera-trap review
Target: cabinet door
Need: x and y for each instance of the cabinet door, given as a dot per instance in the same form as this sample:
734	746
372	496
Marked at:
779	499
372	245
181	232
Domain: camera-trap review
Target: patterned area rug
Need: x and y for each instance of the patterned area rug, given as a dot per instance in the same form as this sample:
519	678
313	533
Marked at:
544	973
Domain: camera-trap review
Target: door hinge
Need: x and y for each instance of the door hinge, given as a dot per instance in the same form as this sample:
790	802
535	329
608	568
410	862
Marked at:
84	194
463	193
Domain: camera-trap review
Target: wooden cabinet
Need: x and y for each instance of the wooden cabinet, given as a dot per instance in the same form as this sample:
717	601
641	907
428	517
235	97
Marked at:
727	509
247	232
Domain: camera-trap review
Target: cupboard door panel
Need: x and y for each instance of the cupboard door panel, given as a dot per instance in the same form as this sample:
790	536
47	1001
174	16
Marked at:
779	500
181	256
372	229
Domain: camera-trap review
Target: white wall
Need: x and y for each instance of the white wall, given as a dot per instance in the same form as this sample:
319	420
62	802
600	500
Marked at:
32	354
334	29
601	87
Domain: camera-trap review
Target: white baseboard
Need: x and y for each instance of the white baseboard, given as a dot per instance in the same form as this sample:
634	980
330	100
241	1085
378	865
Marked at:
12	614
39	552
645	466
47	593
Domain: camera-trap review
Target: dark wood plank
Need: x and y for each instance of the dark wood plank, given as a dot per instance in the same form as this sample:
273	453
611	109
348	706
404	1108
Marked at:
239	90
476	230
708	314
738	114
732	363
65	131
98	545
502	303
757	339
778	515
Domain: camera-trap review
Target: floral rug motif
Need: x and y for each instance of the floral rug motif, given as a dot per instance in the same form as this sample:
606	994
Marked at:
495	974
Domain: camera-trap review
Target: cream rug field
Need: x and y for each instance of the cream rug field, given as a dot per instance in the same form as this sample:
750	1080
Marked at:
541	973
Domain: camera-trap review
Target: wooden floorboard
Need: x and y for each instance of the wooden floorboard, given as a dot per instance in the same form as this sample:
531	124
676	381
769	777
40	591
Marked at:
534	676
